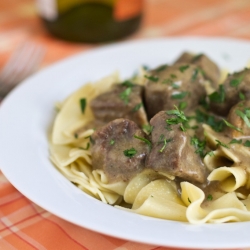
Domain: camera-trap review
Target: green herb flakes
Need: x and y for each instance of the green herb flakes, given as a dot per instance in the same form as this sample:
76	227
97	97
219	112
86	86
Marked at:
218	96
161	68
167	81
175	86
219	143
147	128
137	107
183	68
182	105
130	152
195	74
211	153
244	116
197	57
247	143
242	96
179	95
125	95
199	146
112	142
83	103
86	148
209	197
165	141
127	84
143	139
236	82
152	78
232	126
216	124
235	141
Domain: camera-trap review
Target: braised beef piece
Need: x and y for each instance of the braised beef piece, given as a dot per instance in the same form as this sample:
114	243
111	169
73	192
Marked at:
172	150
235	117
122	101
209	68
168	86
117	151
235	88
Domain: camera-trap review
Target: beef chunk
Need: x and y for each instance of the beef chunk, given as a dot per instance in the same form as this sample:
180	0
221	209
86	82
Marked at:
173	85
172	151
235	88
122	101
235	117
209	68
117	151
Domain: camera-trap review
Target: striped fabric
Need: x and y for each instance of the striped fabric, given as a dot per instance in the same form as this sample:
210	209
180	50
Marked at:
23	224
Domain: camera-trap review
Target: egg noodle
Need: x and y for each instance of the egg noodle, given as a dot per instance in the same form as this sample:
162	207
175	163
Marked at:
151	193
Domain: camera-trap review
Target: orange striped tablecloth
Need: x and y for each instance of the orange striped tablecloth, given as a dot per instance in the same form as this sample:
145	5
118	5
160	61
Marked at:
24	225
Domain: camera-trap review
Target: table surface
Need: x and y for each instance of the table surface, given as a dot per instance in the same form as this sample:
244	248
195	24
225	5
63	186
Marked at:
24	225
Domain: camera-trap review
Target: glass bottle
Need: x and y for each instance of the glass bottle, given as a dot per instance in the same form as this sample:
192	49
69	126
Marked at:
91	21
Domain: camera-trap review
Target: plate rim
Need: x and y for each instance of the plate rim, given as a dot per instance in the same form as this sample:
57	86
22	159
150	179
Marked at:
82	54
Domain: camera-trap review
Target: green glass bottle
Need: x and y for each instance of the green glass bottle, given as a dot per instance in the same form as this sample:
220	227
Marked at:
91	21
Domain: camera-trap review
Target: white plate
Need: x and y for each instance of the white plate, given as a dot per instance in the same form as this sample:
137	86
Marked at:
26	116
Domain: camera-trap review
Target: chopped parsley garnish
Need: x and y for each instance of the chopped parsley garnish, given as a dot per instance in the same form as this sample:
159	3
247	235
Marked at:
152	78
147	128
232	126
195	74
83	103
234	141
137	107
173	76
211	153
189	200
125	95
218	96
161	68
168	127
183	68
130	152
167	81
198	56
236	82
182	105
86	148
179	119
209	197
179	95
219	143
143	139
175	86
127	84
247	143
76	135
203	102
161	138
244	116
242	96
145	67
165	141
215	124
199	146
112	142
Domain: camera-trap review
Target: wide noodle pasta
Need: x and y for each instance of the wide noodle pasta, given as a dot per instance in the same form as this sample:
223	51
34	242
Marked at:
152	193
